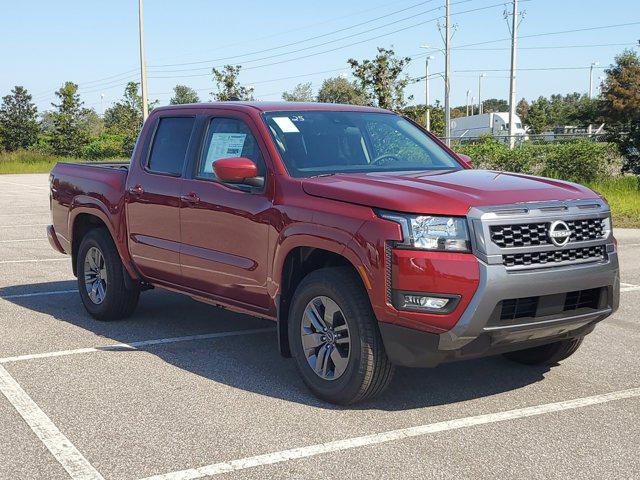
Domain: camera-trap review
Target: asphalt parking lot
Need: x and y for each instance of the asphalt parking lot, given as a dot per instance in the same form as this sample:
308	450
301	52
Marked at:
185	390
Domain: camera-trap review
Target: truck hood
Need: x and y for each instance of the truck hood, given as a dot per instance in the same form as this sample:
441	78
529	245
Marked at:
451	192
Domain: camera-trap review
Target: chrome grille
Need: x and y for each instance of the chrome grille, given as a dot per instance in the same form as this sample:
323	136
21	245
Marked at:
554	256
534	234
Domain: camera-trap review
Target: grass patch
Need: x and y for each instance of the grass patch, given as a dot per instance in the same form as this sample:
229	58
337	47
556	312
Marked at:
26	161
623	194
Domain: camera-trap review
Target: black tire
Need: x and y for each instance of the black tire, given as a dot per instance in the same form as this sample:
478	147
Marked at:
368	370
119	301
549	354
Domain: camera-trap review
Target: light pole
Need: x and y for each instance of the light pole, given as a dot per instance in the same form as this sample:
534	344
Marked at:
593	64
143	67
480	77
468	93
473	101
427	119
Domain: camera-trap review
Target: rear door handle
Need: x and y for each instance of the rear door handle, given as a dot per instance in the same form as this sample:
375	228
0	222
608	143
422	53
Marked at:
191	198
136	190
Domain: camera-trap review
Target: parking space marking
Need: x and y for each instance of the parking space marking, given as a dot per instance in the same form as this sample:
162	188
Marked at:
392	435
629	287
23	185
35	260
24	240
76	465
38	294
46	212
135	345
28	225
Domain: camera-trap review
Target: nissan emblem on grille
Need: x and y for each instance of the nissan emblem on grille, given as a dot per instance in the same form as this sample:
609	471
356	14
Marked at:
559	233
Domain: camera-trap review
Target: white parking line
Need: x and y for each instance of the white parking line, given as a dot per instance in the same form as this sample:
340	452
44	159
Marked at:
135	345
37	294
24	240
23	185
392	435
630	288
27	225
46	212
76	465
35	260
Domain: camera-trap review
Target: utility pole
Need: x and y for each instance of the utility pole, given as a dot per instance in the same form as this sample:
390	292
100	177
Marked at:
480	93
512	86
593	64
447	71
143	66
468	93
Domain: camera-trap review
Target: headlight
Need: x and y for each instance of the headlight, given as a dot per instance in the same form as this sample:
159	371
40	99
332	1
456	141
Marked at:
427	232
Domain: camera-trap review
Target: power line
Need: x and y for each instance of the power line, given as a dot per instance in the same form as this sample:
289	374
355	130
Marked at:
314	37
336	48
305	27
322	44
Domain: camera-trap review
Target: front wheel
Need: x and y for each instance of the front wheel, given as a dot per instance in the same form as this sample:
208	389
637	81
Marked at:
549	354
101	281
334	338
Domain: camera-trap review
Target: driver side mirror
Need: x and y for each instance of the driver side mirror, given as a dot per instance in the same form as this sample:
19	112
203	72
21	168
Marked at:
237	170
466	160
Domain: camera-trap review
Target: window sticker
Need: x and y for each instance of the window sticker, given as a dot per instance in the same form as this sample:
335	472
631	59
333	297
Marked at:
286	125
224	145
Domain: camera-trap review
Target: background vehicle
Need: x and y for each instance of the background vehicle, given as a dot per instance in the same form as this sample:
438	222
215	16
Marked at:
368	241
496	124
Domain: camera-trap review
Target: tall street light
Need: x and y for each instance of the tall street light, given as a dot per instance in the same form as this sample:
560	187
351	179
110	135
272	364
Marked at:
593	64
143	67
427	120
480	77
468	93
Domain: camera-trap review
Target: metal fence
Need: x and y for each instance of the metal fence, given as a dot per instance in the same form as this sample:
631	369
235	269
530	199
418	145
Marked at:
542	138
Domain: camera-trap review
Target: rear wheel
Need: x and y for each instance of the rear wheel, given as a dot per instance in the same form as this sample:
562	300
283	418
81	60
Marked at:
335	340
101	278
546	354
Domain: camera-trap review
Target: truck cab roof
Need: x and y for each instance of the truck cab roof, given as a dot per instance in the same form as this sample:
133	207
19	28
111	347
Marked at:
274	106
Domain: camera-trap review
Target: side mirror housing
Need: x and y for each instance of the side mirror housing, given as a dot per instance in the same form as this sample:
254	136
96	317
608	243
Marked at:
235	170
466	160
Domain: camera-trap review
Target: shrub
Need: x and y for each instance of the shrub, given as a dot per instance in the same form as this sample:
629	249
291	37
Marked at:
105	146
578	160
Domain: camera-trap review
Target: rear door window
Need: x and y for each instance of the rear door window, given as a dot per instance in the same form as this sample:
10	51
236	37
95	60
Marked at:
170	144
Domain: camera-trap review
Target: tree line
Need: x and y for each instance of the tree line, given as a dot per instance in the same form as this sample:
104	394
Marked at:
70	129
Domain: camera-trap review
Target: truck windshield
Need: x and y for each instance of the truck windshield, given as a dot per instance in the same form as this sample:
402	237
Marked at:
325	142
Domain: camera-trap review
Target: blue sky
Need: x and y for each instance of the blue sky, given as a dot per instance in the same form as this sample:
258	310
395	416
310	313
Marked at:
95	44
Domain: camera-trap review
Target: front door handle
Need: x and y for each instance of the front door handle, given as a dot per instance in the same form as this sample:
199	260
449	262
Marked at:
191	198
136	190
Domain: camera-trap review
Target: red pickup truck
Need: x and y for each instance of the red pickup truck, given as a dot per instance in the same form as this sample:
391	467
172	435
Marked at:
366	239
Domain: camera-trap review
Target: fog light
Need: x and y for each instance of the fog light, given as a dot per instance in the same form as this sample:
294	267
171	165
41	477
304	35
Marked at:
435	303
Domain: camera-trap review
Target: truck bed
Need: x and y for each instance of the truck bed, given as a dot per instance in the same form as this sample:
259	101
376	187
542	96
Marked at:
97	188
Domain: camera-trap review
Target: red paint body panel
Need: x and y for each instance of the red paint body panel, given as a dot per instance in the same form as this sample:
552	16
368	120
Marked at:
222	245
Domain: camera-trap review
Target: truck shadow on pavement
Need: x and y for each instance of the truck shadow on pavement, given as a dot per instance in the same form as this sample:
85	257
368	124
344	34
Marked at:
252	362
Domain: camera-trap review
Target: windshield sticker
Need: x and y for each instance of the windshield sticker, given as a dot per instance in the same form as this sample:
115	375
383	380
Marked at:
286	125
224	145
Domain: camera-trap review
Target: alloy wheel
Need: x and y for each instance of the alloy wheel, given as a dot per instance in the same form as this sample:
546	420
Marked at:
95	275
325	338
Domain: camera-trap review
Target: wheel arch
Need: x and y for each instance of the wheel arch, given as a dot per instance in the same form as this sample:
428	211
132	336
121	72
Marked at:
81	221
298	262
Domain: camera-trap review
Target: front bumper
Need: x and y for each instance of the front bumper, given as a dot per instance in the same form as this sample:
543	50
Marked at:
479	332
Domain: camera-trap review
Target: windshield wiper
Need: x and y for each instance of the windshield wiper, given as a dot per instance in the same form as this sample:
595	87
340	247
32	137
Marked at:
322	175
